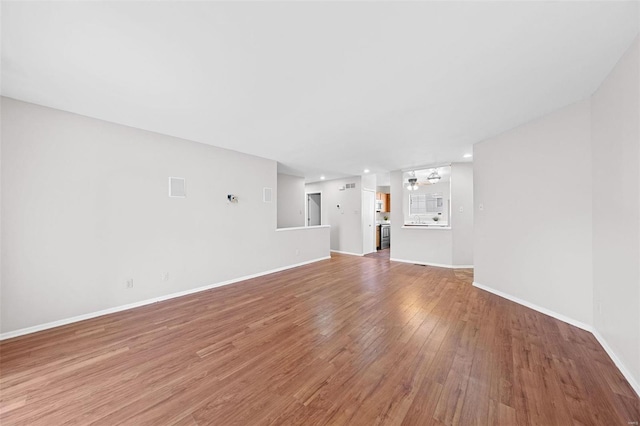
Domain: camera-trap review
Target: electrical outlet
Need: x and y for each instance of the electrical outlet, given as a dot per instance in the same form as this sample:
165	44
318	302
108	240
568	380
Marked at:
130	283
297	252
481	207
461	209
164	276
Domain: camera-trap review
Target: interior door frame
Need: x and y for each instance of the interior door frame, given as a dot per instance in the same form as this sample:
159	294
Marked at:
306	207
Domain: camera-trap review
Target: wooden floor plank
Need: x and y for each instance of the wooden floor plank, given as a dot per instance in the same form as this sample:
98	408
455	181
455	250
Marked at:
353	341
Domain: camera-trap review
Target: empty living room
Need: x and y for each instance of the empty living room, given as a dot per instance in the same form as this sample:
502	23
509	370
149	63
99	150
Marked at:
319	212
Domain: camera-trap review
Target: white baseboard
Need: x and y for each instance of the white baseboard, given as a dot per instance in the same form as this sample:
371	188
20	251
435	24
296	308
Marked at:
347	252
439	265
623	369
545	311
58	323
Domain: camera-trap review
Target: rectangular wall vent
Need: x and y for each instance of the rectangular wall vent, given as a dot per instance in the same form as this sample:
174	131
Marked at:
351	185
267	195
177	187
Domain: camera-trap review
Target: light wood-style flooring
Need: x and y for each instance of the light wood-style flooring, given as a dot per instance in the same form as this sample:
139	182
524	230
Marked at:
346	341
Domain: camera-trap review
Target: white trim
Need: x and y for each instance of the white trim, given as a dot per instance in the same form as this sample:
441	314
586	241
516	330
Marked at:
347	252
306	208
302	227
623	369
439	265
58	323
540	309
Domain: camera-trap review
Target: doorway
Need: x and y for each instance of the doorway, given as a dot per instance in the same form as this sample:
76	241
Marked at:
314	209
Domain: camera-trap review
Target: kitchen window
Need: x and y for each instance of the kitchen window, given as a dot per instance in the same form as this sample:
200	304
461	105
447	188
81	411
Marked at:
425	203
426	197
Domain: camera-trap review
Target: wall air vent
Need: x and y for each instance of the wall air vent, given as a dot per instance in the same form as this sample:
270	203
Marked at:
351	185
177	187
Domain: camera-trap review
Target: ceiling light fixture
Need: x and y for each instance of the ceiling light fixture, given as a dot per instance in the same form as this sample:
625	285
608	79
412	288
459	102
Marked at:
468	155
413	184
366	170
434	177
321	177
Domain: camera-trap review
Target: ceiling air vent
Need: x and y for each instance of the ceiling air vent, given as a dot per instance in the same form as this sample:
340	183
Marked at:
177	187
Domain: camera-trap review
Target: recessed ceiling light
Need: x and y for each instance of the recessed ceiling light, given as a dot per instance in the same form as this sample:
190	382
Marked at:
468	155
321	177
366	170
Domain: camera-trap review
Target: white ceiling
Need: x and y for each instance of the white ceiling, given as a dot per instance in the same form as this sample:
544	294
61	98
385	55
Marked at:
324	88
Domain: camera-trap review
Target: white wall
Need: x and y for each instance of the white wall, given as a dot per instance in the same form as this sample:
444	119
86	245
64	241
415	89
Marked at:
346	221
381	215
369	181
291	200
85	207
577	253
533	238
615	141
1	221
462	213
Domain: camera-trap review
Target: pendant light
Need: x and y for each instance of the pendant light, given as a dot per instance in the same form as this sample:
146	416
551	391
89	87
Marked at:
434	177
413	184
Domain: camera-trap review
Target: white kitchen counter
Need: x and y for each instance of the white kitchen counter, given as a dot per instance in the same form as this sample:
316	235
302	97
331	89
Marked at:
426	227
